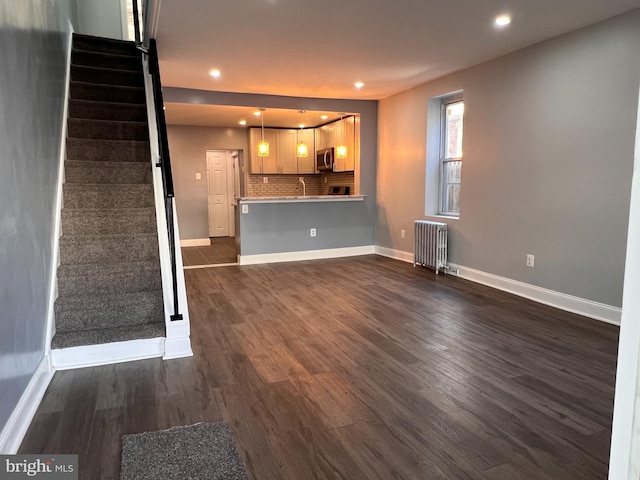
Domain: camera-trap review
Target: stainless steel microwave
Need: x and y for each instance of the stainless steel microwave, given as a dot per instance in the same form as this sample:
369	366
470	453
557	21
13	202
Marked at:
324	159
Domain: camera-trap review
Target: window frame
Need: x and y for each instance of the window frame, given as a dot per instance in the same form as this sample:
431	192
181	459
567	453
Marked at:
442	160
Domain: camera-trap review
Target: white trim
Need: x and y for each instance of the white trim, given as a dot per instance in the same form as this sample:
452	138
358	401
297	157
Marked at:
107	353
195	242
569	303
178	331
16	427
57	208
305	255
395	254
178	342
624	460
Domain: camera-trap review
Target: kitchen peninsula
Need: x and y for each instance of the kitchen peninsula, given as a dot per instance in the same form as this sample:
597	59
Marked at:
279	229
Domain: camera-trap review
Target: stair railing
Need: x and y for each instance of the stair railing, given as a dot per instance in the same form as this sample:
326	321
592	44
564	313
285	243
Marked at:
164	160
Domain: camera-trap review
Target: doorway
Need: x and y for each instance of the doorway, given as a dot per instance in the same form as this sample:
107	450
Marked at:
223	186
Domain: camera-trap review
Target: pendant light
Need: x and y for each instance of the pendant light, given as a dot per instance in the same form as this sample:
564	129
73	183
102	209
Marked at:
341	150
301	148
263	147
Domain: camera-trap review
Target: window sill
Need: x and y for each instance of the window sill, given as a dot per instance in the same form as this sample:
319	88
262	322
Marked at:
446	217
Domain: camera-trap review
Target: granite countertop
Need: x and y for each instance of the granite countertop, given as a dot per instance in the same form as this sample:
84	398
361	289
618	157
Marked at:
300	199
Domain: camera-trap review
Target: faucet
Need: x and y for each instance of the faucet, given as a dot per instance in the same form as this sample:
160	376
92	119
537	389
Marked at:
304	186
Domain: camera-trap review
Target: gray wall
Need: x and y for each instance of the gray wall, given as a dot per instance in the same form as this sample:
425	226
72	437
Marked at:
284	227
188	147
102	18
548	154
33	38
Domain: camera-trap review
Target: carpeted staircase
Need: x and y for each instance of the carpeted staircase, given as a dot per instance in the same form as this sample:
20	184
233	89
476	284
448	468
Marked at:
109	282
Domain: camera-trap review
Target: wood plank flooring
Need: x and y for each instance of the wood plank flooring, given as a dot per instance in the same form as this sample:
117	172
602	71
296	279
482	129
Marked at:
361	368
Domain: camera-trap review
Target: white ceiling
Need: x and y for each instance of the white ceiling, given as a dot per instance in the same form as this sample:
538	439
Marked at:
313	48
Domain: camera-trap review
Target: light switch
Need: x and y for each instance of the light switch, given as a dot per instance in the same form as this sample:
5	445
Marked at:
198	176
245	208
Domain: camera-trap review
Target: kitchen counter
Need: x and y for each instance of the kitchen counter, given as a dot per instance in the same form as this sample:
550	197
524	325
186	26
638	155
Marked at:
301	199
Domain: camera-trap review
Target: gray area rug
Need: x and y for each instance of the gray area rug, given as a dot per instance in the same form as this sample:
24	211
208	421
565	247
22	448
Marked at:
201	451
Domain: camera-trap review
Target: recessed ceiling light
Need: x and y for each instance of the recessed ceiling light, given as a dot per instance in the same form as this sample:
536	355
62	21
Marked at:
215	73
358	84
257	113
242	122
301	125
502	20
324	117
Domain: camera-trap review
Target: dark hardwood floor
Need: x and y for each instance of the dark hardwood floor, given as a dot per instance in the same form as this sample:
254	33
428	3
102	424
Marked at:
361	368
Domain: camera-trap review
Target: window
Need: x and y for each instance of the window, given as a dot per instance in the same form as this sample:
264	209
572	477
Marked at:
451	155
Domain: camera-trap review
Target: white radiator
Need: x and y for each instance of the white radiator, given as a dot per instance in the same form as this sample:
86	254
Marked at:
430	248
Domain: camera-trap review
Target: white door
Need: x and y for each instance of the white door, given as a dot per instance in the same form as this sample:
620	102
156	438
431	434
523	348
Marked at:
218	193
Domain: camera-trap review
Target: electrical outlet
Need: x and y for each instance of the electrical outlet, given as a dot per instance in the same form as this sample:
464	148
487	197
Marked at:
312	232
403	233
265	179
198	176
531	260
245	208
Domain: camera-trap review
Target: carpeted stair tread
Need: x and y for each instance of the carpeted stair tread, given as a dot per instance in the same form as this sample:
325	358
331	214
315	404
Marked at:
114	248
107	335
106	60
128	112
107	129
104	45
106	76
108	172
108	150
80	221
107	93
116	310
92	279
84	195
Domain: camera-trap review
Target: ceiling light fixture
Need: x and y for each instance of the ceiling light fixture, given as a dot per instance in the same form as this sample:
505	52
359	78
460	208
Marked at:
502	20
242	122
341	150
301	147
215	73
358	84
263	147
324	117
257	113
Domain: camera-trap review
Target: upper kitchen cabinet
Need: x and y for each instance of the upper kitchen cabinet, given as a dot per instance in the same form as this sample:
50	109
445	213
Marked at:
344	133
307	164
287	162
263	164
282	157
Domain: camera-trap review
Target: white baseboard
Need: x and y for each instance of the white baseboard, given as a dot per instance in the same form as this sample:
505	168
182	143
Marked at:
108	353
177	348
195	242
569	303
305	255
395	254
19	421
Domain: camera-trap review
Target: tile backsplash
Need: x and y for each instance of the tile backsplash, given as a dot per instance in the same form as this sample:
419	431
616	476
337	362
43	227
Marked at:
288	185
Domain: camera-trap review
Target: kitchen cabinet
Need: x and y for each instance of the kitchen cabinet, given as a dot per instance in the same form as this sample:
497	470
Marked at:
321	137
287	162
282	157
263	164
307	164
345	133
